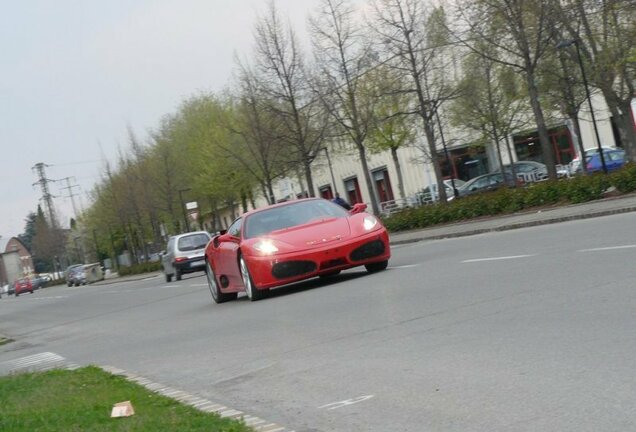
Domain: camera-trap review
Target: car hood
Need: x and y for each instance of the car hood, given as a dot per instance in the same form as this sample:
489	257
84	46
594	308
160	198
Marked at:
308	236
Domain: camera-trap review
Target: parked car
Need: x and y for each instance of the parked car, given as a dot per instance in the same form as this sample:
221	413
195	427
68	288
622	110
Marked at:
39	281
575	165
184	254
486	182
293	241
614	159
429	193
22	285
527	171
75	275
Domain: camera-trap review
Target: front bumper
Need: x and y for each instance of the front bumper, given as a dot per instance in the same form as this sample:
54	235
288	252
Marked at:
276	270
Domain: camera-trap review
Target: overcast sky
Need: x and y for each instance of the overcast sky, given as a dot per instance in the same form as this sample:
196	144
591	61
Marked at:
75	73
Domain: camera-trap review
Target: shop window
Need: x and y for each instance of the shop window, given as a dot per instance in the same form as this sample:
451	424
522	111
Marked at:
528	147
465	163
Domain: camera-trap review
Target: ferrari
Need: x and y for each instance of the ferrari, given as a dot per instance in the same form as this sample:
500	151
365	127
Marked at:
292	241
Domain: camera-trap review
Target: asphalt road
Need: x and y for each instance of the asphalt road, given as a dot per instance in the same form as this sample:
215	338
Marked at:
524	330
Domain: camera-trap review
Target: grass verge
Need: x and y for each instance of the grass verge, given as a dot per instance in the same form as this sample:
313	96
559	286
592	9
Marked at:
81	400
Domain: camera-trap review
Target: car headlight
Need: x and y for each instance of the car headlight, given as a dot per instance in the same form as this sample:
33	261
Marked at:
369	222
266	247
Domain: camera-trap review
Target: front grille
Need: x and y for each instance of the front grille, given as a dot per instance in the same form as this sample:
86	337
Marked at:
289	269
332	263
368	250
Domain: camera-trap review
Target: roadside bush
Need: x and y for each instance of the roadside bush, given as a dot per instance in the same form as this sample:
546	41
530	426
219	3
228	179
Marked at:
544	193
624	180
574	190
586	188
140	268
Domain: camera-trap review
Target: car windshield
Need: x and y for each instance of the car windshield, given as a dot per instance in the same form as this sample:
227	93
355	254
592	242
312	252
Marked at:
290	215
192	242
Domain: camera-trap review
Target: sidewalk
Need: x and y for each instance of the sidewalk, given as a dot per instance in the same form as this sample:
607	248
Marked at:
603	207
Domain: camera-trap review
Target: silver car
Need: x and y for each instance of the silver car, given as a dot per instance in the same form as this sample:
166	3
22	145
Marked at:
184	254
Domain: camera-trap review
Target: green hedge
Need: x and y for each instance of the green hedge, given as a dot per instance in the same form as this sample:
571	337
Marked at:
565	191
140	268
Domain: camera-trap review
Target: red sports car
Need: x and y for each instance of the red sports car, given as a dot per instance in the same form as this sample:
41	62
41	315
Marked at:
292	241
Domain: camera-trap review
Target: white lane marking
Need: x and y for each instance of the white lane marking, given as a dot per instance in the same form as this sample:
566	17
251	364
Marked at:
44	298
344	403
198	285
607	248
497	258
404	266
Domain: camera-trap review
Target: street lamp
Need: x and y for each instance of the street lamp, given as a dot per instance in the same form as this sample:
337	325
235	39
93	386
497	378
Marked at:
333	179
575	42
183	208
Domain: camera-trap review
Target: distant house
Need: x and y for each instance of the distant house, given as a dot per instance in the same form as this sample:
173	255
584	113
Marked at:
15	260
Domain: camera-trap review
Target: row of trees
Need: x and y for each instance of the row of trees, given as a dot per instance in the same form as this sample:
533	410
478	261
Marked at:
382	74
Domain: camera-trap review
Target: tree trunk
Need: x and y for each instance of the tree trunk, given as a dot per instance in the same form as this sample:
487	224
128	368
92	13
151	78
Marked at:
544	139
398	169
362	153
309	179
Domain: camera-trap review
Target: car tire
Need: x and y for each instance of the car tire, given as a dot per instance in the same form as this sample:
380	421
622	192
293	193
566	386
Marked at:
177	274
376	267
168	278
252	293
213	285
17	294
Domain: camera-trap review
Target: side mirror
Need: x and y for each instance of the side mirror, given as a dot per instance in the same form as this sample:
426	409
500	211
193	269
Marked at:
358	208
227	238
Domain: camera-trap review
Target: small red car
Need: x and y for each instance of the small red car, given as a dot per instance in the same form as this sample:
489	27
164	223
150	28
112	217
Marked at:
293	241
23	285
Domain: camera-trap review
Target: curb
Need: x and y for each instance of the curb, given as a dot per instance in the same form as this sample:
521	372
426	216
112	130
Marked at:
512	226
47	361
140	277
205	405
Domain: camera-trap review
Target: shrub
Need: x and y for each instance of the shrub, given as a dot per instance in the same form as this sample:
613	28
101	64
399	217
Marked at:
624	180
586	188
140	268
574	190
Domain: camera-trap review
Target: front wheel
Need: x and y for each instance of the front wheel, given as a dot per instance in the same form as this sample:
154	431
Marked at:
252	293
217	295
376	267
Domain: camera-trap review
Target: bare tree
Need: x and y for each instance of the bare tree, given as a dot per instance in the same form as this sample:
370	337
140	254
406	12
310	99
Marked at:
416	49
259	150
518	31
393	129
343	56
279	63
491	101
605	32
